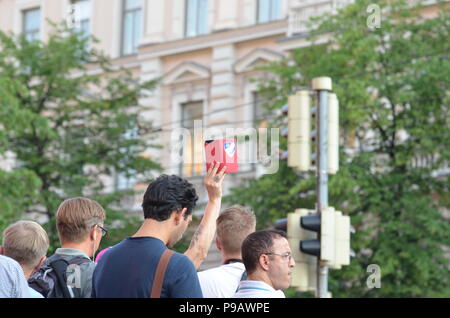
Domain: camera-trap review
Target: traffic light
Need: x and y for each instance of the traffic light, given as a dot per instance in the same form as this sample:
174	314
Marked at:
331	244
299	129
333	133
322	246
342	241
323	238
304	274
313	237
300	136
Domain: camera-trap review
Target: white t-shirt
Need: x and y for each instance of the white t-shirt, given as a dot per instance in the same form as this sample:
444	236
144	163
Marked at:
222	281
257	289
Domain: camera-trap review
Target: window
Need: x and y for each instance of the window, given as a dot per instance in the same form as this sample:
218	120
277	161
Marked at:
82	16
259	111
192	164
260	121
31	24
196	17
269	10
131	26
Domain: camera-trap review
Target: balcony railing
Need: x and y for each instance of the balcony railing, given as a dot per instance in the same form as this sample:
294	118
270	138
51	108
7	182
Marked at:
301	11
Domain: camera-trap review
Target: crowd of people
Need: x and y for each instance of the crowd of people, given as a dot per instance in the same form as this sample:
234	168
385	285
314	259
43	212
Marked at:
254	263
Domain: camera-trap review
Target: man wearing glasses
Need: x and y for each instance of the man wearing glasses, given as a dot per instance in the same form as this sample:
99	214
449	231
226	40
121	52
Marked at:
79	222
268	261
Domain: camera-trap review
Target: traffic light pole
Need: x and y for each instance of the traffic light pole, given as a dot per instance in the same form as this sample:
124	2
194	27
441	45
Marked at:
322	180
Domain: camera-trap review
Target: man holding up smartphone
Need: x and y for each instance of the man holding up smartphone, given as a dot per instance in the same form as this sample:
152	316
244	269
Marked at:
129	269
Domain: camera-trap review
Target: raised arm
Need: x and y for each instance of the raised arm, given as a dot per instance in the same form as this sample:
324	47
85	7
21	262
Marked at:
204	235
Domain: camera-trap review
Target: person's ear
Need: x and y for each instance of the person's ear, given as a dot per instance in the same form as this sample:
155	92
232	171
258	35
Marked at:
264	261
183	212
2	250
93	234
218	244
42	260
179	216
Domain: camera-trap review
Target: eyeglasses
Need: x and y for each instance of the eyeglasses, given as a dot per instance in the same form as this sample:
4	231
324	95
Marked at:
286	256
104	231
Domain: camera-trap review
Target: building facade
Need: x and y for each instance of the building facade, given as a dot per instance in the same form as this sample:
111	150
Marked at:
203	51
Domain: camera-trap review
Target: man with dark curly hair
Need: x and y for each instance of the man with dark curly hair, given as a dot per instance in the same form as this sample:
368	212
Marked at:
130	268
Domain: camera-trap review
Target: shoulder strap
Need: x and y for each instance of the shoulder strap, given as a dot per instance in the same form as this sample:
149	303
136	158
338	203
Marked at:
60	266
160	272
79	260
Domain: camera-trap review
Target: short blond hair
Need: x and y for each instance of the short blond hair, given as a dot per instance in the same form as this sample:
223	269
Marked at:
233	226
75	217
26	242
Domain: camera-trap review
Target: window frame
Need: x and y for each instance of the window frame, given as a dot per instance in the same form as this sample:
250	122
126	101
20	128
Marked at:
271	19
80	22
192	172
24	22
124	13
186	10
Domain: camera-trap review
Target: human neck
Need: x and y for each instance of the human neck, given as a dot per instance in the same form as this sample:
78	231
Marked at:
153	228
85	247
226	257
27	272
262	277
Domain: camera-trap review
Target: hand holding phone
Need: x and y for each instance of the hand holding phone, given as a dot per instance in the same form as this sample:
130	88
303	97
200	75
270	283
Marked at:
223	151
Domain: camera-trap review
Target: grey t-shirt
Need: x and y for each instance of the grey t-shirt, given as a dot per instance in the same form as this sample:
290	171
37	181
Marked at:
85	270
12	279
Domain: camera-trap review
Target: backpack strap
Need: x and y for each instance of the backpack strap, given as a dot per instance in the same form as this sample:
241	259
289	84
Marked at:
160	272
60	266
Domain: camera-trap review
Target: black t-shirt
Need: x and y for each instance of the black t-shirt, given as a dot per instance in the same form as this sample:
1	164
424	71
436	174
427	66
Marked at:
127	270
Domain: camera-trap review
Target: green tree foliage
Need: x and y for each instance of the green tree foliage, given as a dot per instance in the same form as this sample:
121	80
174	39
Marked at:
393	87
70	118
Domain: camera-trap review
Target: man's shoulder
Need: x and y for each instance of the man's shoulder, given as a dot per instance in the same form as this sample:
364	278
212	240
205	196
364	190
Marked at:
10	269
8	262
34	293
226	269
180	264
78	259
180	259
257	289
85	264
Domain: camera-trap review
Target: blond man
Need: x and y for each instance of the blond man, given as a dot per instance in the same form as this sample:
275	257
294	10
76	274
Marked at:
233	226
79	222
27	243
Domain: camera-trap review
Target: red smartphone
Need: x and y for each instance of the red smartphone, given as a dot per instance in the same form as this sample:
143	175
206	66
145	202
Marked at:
223	151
